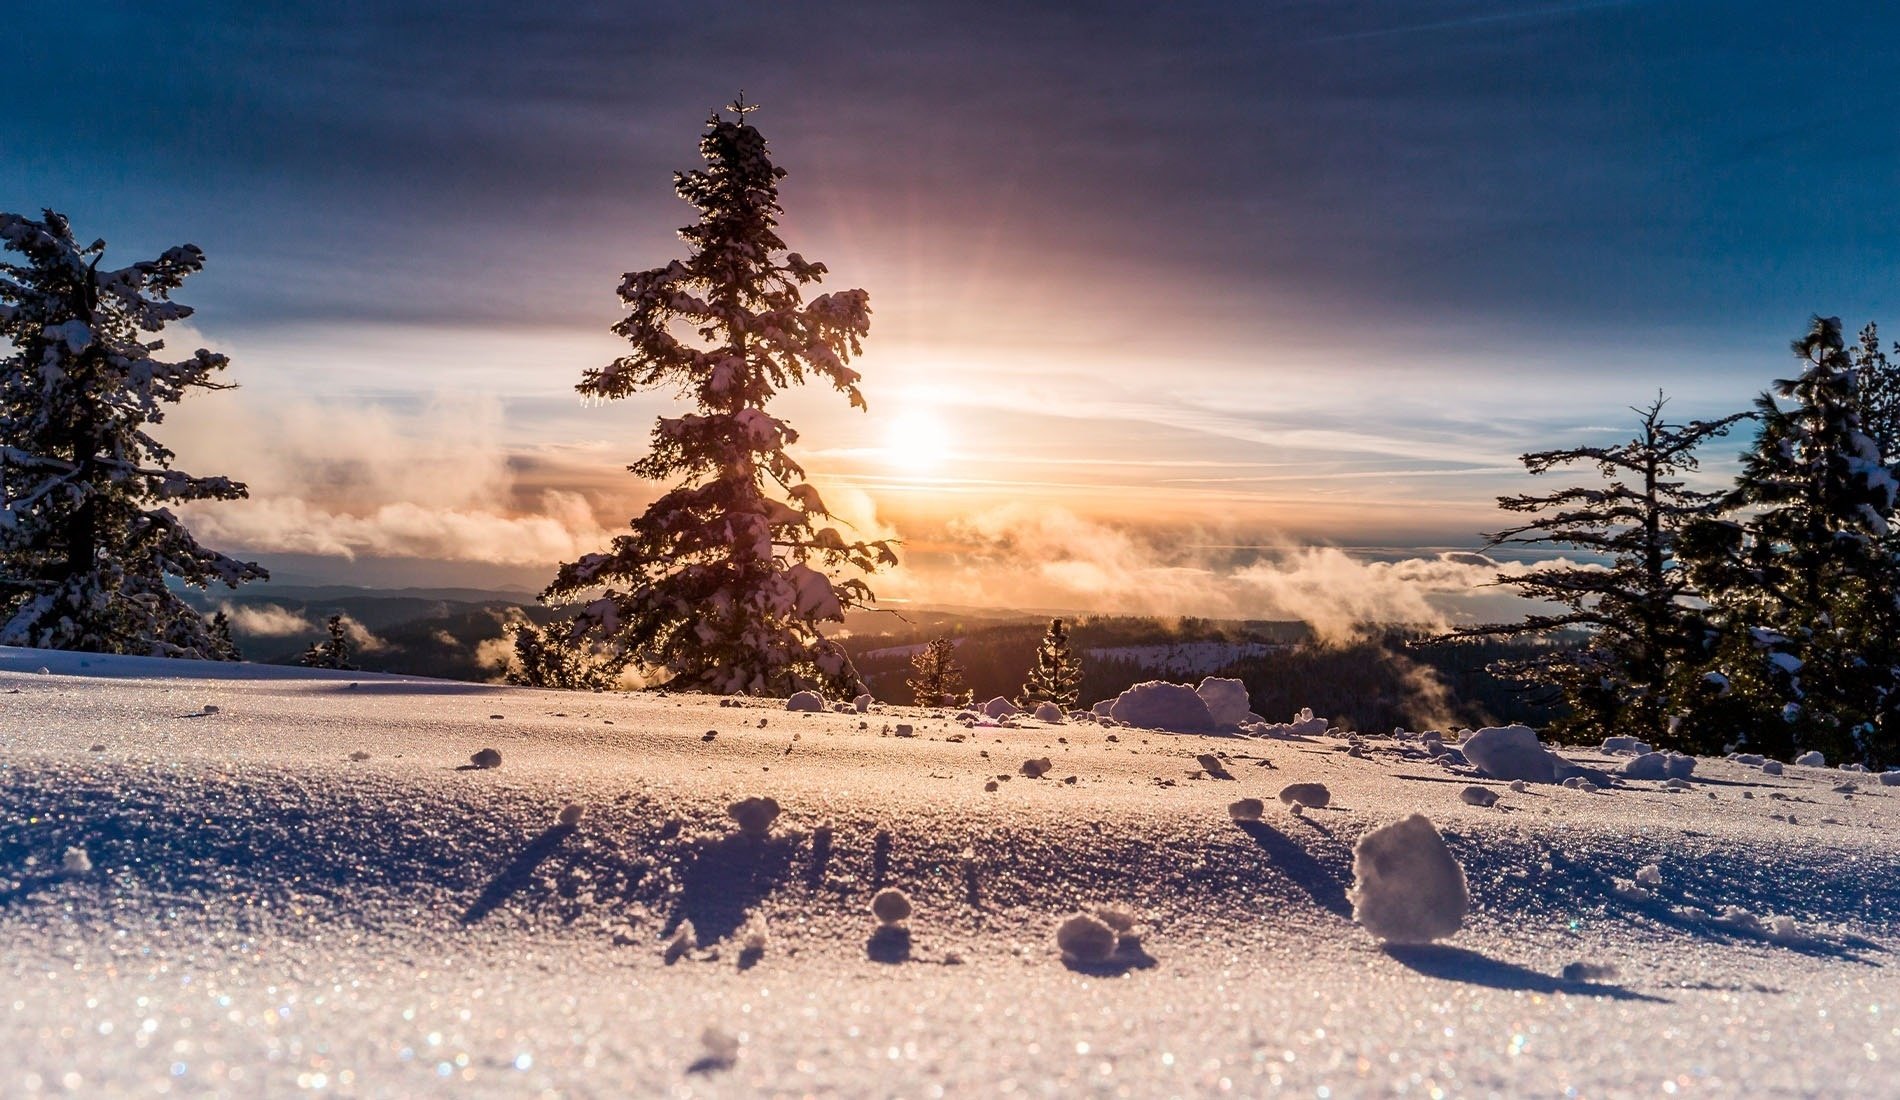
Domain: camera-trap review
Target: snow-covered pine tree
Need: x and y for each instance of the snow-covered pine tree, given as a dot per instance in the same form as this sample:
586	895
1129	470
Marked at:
333	651
86	542
1056	676
936	679
725	580
1803	578
1637	607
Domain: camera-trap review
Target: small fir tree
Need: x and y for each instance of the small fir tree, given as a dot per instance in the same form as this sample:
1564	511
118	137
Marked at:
331	652
725	581
936	679
1877	393
1802	576
1640	612
1057	675
87	540
223	646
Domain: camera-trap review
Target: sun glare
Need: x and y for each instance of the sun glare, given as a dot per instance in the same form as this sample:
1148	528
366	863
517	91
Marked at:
917	443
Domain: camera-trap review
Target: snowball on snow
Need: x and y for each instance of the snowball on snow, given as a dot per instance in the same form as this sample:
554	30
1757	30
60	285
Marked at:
75	861
1000	707
1814	759
486	758
1159	705
1407	886
1478	796
863	703
1037	768
1247	809
1226	700
806	701
891	906
1049	712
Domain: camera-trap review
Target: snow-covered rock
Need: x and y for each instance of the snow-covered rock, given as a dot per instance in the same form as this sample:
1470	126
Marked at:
1159	705
1226	700
1407	886
805	701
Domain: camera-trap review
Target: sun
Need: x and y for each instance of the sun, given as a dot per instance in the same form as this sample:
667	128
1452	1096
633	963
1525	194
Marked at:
917	442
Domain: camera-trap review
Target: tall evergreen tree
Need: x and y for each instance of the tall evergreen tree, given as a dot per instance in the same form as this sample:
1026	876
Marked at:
1637	605
1056	676
86	538
936	679
1803	577
725	580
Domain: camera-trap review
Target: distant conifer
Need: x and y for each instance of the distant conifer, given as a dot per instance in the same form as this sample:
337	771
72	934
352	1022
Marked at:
936	679
1057	674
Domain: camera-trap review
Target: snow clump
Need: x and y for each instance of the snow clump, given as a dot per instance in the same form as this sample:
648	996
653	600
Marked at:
1159	705
1037	768
1625	746
1510	752
805	701
1407	886
1226	700
1086	938
754	815
75	861
1771	767
570	815
1660	765
1478	796
486	758
863	703
1304	724
1247	809
1813	759
1049	712
1000	707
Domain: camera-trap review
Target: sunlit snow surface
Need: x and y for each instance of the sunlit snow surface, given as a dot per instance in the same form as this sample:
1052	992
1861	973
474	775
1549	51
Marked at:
265	915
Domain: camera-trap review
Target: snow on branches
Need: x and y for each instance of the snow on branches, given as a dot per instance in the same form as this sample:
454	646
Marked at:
86	543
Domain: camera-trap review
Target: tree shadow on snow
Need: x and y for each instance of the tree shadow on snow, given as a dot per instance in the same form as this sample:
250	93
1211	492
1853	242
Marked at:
1456	964
519	872
726	879
1307	873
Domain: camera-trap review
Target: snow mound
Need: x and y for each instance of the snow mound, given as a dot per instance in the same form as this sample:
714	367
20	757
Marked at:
1407	886
1813	759
1226	700
1049	712
806	701
1000	707
1159	705
1625	746
1890	778
1304	724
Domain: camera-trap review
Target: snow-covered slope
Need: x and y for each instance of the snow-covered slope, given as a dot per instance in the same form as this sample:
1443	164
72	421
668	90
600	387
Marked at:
308	887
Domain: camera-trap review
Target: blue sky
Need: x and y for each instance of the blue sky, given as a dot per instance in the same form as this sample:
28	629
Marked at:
1264	274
